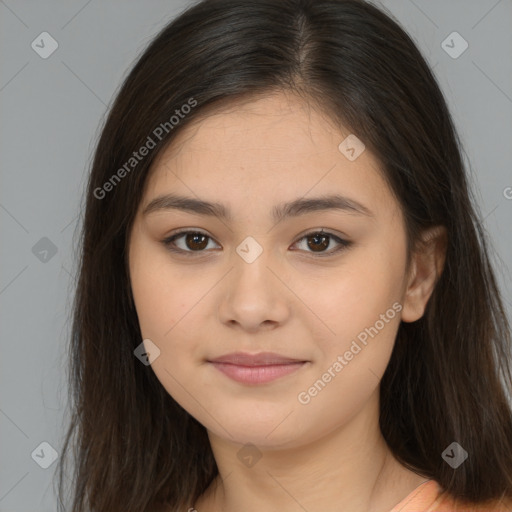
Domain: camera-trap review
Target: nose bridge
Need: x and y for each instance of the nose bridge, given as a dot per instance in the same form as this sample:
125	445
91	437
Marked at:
253	294
251	264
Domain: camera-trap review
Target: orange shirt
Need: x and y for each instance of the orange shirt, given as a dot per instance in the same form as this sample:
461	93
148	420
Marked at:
428	498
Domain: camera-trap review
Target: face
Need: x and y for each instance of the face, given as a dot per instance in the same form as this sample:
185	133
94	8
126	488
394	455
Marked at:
251	282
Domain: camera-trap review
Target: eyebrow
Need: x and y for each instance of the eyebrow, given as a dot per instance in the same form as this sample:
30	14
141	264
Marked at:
294	208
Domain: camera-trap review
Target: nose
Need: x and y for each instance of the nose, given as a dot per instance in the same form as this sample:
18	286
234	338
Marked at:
253	296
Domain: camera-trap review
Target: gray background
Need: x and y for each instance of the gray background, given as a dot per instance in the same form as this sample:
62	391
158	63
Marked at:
51	110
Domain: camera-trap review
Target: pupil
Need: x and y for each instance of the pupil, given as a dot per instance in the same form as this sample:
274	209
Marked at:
196	235
324	245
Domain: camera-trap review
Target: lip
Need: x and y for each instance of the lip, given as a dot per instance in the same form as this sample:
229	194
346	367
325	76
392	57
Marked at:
260	359
256	368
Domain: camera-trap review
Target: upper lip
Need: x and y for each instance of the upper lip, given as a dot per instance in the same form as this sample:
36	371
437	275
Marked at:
260	359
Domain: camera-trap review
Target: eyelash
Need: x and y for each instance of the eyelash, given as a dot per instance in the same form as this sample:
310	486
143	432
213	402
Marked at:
169	242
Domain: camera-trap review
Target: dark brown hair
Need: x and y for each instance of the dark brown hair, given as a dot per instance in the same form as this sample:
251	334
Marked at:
134	447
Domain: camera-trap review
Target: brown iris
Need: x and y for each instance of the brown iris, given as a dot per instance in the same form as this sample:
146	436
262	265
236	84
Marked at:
190	240
317	244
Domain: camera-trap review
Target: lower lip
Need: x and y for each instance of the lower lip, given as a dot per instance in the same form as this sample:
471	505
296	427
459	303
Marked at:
257	374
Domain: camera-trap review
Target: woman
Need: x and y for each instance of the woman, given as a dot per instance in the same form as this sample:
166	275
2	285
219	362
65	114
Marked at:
285	298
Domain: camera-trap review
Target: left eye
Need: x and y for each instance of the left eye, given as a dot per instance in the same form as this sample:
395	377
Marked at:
196	241
318	240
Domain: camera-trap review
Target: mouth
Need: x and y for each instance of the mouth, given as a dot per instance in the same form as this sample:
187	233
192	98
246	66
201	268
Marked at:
256	368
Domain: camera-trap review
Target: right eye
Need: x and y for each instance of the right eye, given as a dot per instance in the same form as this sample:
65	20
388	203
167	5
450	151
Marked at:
194	241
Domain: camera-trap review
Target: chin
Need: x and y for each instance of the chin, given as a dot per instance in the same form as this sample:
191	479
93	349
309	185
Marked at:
272	433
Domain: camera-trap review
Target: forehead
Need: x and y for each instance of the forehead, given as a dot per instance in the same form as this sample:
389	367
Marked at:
276	145
280	125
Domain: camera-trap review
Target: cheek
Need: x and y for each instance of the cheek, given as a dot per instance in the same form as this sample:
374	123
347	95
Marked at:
164	300
163	296
356	296
351	363
361	306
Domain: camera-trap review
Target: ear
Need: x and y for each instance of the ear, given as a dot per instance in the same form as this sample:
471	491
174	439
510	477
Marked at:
427	263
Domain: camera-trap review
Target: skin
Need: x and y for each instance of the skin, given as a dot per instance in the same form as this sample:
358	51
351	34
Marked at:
289	300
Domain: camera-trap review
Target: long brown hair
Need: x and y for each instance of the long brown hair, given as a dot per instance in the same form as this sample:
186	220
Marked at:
134	447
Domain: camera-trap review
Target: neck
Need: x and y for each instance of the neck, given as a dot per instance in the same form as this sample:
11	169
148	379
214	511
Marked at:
349	467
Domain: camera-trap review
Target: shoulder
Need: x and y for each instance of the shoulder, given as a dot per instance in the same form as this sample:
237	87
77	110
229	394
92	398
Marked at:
450	504
431	497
